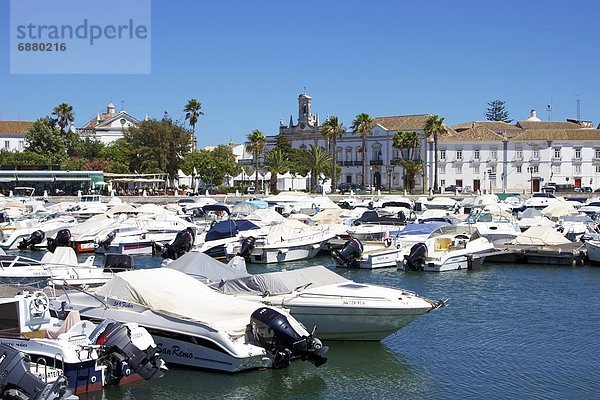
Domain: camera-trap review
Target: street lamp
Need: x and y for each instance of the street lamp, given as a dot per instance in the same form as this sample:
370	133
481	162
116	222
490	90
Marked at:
371	178
530	170
390	170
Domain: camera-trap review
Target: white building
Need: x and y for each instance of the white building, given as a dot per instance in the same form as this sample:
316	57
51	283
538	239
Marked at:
12	135
109	126
486	155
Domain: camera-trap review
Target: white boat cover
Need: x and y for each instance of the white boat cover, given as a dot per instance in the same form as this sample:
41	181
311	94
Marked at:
558	209
283	282
175	294
61	256
530	213
91	225
205	268
540	235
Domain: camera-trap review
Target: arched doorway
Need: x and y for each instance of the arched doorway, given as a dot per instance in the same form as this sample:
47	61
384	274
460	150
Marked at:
377	180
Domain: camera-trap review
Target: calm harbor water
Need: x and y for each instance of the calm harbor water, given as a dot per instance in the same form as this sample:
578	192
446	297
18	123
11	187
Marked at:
509	332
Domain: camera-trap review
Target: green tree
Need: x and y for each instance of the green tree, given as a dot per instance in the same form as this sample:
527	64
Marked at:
211	165
256	144
497	112
89	148
316	161
283	143
363	125
158	146
331	129
276	162
192	112
408	143
118	154
434	126
46	140
26	157
64	116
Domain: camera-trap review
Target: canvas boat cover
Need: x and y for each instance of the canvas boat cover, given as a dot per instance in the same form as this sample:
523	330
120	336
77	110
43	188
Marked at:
61	256
283	282
558	209
530	213
205	268
175	294
228	228
541	236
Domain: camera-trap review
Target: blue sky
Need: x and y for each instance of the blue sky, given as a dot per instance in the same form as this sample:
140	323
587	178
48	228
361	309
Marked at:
247	61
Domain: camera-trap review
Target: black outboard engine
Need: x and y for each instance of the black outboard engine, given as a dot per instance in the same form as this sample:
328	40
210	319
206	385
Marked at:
63	239
415	260
247	247
182	243
18	383
107	240
36	237
124	356
348	256
273	331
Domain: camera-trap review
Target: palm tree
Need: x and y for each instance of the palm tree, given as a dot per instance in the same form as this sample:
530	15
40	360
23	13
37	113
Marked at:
192	112
363	125
277	162
257	143
331	129
408	143
64	116
434	126
316	161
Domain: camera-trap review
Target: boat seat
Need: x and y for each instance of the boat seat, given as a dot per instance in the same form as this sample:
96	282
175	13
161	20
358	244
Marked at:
72	319
442	244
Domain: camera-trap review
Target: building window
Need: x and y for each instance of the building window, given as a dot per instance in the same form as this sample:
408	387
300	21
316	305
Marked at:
536	154
476	169
597	153
348	155
577	169
519	169
598	169
578	153
519	154
459	154
493	154
348	178
493	169
459	169
443	155
21	145
395	153
556	169
557	152
442	169
7	145
476	154
536	169
442	182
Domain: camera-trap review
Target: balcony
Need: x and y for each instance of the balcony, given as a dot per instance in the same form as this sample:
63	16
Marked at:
556	160
577	160
492	160
376	162
535	159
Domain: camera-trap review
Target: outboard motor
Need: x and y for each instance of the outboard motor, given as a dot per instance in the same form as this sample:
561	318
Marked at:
18	383
247	247
345	205
107	240
63	239
348	256
123	355
36	237
182	243
273	331
415	260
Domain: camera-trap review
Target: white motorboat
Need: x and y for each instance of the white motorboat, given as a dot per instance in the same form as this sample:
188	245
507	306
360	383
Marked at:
340	308
285	241
384	253
590	208
196	327
14	235
88	206
593	250
448	248
494	226
540	200
58	268
89	356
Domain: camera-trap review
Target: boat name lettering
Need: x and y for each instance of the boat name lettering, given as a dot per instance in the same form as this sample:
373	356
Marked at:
354	303
118	303
173	351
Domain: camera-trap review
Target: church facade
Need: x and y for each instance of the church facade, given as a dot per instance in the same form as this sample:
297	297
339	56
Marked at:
109	126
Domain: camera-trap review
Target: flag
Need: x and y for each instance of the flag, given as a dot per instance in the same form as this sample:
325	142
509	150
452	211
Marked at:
360	149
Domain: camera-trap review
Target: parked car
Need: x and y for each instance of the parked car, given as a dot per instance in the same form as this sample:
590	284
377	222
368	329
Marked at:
549	187
453	188
346	187
584	189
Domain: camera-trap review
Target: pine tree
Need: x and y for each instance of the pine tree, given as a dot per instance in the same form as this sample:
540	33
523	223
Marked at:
497	112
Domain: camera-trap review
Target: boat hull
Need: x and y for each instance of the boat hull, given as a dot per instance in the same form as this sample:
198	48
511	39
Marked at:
593	251
268	255
133	248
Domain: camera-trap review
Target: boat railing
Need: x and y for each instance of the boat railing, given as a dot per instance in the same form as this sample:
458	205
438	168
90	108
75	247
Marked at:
41	361
312	235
